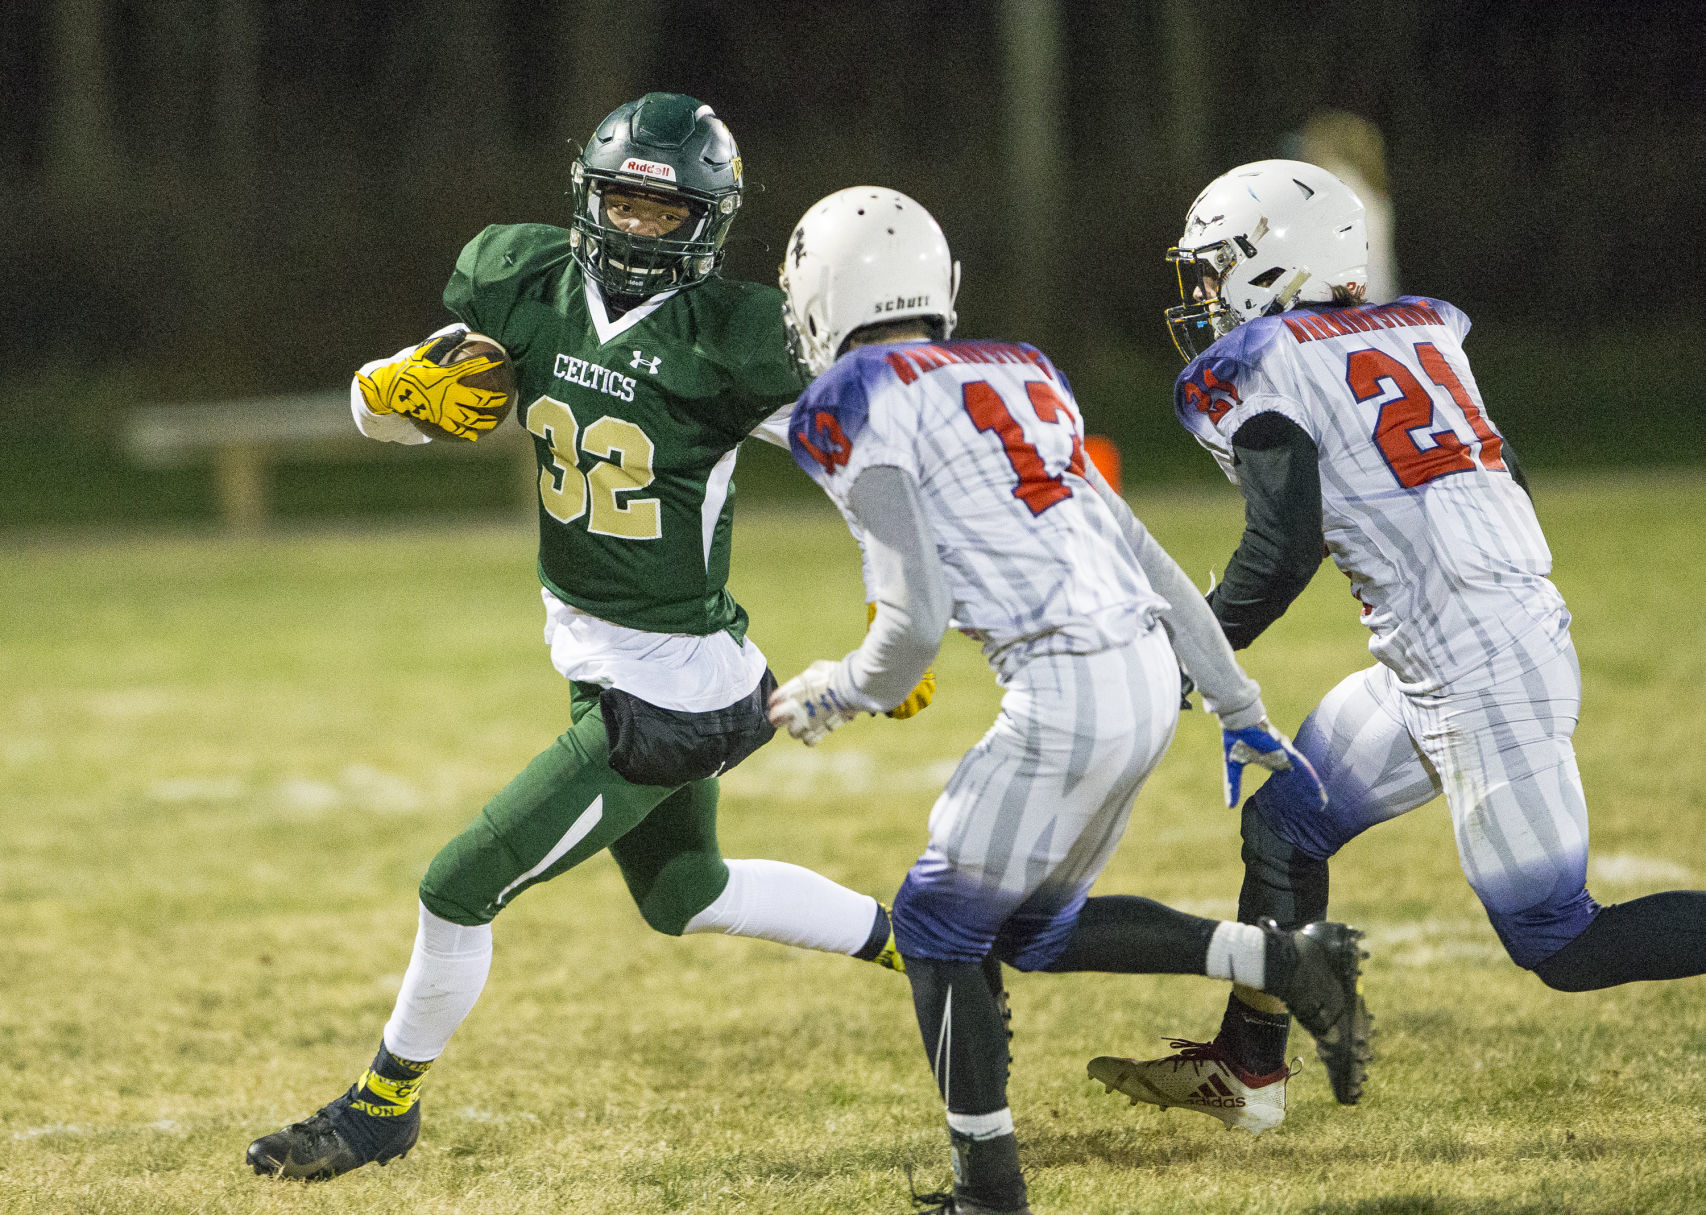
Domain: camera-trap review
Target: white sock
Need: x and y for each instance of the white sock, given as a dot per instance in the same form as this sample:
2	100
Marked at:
446	974
780	902
1238	952
982	1126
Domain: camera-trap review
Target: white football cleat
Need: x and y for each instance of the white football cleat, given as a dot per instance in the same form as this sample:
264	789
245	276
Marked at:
1201	1077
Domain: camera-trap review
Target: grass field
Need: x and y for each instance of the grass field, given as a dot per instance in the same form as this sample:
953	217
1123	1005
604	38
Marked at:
224	765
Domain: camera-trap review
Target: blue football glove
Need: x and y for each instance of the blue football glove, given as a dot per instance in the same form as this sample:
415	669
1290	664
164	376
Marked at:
1266	747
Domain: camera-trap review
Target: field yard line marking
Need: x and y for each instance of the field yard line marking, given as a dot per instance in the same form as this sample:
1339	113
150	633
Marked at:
76	1128
578	831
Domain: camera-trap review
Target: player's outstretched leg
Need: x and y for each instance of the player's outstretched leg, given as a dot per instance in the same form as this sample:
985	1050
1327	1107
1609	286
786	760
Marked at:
681	884
565	806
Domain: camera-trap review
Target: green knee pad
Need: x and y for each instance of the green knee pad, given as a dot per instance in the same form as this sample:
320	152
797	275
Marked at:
671	862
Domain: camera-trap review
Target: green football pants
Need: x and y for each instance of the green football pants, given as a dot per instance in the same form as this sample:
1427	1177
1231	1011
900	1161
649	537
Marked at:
567	805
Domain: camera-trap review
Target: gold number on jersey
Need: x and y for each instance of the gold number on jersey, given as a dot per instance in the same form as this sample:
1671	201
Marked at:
627	453
562	489
625	465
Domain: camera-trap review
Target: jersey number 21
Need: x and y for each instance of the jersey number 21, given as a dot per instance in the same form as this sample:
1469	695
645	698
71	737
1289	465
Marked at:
1368	371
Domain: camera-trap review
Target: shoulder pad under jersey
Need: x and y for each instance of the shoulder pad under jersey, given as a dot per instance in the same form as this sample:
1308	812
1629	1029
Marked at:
503	264
832	413
1217	379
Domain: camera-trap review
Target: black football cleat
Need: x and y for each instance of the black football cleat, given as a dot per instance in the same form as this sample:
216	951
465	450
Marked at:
946	1203
333	1140
1324	993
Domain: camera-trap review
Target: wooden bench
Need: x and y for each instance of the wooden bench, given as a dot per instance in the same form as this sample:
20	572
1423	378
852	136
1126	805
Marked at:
244	438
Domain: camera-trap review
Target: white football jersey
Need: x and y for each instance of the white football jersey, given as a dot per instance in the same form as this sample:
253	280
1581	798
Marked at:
992	435
1440	544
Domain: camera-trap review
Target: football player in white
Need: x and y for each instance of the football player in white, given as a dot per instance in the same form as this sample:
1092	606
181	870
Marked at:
1360	428
960	466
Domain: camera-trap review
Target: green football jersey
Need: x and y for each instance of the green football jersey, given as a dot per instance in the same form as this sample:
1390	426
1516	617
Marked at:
635	435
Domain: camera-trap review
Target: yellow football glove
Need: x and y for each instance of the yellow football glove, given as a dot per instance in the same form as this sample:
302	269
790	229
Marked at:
920	697
414	384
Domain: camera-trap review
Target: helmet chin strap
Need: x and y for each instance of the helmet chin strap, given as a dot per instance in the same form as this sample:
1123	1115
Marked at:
1288	293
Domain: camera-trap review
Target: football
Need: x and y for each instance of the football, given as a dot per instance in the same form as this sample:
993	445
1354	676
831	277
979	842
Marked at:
499	379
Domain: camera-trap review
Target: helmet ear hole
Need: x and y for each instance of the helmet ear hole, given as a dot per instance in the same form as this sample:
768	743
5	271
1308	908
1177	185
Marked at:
1268	278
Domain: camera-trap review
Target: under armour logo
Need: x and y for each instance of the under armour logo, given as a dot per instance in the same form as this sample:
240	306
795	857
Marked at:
799	249
650	365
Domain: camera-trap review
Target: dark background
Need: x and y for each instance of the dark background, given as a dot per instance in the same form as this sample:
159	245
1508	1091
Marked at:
230	198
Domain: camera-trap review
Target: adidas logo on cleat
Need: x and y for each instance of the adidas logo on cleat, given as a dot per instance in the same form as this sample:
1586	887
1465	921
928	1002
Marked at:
1201	1077
1207	1094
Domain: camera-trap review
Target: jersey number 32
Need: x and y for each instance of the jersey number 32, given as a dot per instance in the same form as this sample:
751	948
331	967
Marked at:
1368	372
624	464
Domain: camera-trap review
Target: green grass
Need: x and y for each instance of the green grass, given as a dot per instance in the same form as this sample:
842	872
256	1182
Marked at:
224	765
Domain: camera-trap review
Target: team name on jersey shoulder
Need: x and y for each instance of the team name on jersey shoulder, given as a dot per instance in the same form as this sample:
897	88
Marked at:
591	375
1342	322
914	361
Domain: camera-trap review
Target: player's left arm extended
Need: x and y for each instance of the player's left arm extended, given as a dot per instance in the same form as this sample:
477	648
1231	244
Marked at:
914	605
1246	735
774	429
1279	475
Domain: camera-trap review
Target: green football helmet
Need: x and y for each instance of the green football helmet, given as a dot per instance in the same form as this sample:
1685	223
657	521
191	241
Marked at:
670	146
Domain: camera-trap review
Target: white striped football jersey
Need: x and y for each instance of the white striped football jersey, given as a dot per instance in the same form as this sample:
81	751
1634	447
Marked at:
994	438
1441	545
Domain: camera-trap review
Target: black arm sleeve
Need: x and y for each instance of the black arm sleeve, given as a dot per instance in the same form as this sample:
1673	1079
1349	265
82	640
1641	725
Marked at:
1514	467
1279	476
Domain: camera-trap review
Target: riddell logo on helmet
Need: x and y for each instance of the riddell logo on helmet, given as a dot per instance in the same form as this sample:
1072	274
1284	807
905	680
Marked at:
649	168
902	301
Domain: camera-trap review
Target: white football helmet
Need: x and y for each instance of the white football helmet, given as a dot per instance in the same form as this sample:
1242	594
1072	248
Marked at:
866	255
1273	233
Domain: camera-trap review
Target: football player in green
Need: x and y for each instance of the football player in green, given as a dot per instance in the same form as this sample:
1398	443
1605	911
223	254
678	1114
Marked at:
638	371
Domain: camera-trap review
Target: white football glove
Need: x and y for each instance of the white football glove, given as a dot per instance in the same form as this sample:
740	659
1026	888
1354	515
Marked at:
807	708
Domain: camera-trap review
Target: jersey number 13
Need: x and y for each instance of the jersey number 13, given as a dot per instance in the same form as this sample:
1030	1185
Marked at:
1036	488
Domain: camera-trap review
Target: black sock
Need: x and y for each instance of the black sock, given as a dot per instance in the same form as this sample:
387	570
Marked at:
1255	1039
1280	883
987	1171
969	1060
1124	934
998	989
1661	936
388	1090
